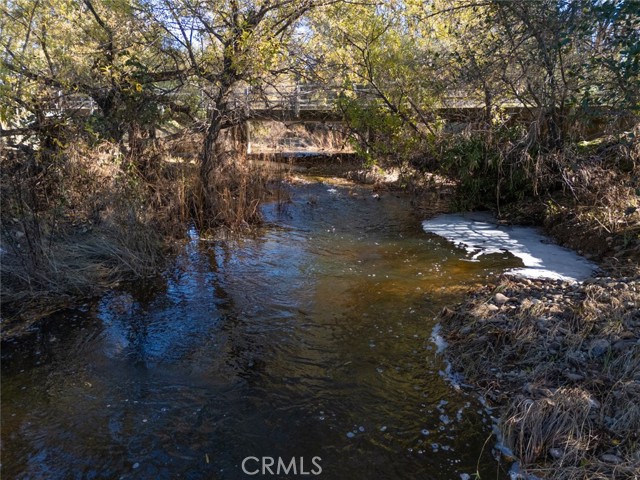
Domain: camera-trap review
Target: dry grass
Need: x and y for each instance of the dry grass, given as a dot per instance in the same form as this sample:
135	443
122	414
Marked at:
592	202
560	421
235	192
601	216
563	361
85	220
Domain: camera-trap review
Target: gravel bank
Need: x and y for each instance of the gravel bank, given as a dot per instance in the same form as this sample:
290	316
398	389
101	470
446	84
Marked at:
562	361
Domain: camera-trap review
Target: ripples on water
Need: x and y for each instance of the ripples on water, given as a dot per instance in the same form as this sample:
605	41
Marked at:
310	338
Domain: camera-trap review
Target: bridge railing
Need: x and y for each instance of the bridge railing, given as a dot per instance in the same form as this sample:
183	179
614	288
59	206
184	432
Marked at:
72	102
289	98
293	98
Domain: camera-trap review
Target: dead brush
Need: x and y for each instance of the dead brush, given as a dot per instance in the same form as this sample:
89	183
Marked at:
232	198
76	226
561	421
565	372
598	209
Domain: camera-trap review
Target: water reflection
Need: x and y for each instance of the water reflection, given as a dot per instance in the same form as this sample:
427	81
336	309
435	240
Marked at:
309	339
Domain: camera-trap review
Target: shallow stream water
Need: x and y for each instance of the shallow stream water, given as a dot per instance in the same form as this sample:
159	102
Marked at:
308	339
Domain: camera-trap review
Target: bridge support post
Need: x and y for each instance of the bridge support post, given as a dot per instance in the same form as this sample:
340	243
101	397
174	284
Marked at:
247	127
296	101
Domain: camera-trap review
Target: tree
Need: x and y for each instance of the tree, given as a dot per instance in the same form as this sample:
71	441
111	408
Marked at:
231	44
389	71
107	51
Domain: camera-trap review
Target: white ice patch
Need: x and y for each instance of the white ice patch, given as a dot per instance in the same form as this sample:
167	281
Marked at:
479	234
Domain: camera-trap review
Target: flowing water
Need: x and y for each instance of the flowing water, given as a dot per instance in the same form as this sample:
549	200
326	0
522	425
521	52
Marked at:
309	339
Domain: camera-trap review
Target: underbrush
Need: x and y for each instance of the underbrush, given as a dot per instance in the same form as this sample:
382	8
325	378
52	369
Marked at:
85	218
232	198
598	213
563	362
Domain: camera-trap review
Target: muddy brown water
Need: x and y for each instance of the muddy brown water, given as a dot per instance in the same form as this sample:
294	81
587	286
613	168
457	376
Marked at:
308	339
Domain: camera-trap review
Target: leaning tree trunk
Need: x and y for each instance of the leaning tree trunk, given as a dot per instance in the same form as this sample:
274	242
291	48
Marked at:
108	105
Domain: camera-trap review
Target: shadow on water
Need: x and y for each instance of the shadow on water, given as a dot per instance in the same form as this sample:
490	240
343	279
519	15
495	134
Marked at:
310	338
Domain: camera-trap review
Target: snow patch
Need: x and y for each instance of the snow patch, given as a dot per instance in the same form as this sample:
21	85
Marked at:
479	234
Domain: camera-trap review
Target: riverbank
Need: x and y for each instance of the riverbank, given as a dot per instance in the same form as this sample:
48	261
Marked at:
562	361
97	216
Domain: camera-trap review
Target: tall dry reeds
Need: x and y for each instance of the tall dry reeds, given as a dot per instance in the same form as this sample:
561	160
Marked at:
84	218
232	197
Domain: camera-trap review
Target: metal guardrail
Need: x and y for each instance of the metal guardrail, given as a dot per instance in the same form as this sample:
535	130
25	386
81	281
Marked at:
290	98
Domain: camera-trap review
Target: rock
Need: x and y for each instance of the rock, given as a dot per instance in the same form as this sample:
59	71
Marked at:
447	313
593	403
574	377
599	347
623	345
610	458
501	299
534	301
465	331
556	452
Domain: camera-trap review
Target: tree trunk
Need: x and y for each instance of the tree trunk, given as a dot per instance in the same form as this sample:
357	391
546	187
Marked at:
211	153
488	106
108	106
554	129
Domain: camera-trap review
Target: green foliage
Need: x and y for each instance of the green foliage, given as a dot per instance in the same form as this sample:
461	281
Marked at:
486	176
379	133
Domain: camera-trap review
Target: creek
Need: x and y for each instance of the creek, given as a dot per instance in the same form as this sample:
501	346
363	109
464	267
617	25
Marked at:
309	338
